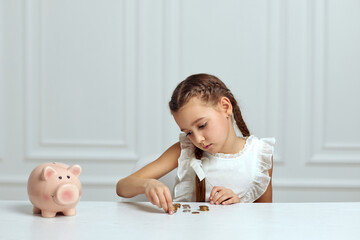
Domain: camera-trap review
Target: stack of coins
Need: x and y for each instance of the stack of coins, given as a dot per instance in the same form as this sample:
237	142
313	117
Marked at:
176	206
204	208
186	208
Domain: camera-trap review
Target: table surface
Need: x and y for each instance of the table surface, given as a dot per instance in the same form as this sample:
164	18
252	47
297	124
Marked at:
142	220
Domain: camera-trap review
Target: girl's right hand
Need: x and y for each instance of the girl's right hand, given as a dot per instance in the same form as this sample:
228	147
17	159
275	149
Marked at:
159	195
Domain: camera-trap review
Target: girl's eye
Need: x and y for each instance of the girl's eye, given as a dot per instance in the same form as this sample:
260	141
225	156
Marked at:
68	176
202	126
60	177
187	134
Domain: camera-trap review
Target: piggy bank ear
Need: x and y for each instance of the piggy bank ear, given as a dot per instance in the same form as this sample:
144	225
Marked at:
47	173
75	169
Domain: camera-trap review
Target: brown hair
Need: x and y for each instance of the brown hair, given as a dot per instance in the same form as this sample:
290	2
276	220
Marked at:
210	89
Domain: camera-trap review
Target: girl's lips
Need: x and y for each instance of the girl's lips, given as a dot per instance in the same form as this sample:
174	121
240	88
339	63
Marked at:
207	146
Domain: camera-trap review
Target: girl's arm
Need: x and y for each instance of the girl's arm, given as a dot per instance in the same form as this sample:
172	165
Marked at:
145	180
267	196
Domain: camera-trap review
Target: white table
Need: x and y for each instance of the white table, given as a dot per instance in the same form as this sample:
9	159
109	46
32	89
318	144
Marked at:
120	220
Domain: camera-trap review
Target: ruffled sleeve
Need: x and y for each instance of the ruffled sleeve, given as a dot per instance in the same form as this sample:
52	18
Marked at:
263	154
184	183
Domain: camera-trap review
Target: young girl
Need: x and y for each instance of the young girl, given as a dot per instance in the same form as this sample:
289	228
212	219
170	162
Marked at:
213	163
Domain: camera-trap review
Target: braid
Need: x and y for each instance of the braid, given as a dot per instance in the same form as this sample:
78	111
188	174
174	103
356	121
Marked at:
200	186
240	123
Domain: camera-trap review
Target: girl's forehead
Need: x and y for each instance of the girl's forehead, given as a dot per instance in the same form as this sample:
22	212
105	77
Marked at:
195	108
194	105
197	102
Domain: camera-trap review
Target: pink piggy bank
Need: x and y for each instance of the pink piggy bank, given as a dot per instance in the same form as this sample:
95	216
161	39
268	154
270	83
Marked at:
53	188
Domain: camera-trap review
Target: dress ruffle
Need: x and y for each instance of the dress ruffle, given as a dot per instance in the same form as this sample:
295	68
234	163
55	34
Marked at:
261	178
185	174
187	153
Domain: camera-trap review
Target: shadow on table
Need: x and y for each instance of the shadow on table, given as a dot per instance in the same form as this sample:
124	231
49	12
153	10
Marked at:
142	206
26	209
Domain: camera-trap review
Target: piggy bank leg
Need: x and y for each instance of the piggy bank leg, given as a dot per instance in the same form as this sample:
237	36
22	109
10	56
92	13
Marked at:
48	214
36	210
70	212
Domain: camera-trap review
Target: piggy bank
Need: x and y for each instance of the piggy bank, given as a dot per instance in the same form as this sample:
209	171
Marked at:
53	188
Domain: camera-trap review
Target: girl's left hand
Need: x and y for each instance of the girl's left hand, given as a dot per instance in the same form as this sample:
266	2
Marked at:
223	196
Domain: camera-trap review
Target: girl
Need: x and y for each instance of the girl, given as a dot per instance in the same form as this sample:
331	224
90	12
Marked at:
213	163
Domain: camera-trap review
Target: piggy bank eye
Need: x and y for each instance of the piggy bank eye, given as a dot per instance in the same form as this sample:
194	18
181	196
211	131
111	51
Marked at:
68	176
60	177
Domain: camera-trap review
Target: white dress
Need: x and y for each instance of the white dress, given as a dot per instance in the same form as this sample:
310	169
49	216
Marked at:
245	173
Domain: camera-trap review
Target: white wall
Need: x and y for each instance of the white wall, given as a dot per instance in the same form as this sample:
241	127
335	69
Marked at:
88	82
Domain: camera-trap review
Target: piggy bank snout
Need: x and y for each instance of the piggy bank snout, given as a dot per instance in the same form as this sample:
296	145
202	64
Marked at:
67	194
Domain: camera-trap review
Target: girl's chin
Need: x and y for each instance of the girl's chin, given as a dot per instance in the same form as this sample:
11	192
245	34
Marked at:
211	150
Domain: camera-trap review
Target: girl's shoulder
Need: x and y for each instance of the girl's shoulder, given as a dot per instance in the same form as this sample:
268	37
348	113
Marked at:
263	148
266	144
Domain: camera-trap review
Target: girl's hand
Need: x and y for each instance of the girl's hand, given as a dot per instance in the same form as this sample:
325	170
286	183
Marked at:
224	196
159	195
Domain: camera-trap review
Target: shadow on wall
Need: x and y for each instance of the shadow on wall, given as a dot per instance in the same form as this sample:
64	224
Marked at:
168	179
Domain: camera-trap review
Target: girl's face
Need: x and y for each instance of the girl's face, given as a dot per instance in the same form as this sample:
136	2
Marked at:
208	127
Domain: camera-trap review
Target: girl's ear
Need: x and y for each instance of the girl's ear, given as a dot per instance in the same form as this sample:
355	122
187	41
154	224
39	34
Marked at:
225	105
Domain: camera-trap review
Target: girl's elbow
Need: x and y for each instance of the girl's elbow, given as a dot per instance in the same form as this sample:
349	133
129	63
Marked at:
118	189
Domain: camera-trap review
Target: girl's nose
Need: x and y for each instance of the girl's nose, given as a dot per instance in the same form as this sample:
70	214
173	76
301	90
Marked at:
199	138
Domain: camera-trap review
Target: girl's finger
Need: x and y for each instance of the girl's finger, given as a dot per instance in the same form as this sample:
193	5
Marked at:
213	191
228	201
231	200
223	198
217	197
169	202
163	203
155	199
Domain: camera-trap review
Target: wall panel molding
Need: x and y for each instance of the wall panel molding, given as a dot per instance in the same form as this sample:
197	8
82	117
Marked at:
39	147
2	77
317	183
341	146
2	112
2	120
276	72
322	151
171	61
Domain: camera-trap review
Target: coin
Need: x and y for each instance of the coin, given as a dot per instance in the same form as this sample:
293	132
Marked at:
186	210
177	205
204	208
195	212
